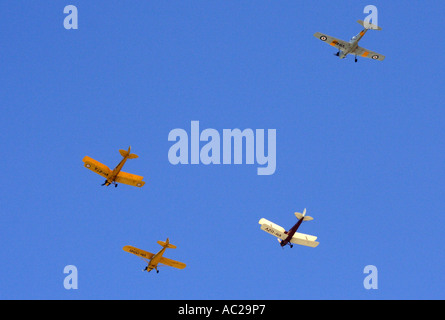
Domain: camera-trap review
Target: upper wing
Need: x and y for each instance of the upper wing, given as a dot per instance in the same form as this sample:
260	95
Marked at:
138	252
172	263
304	240
272	228
339	44
131	179
365	53
96	166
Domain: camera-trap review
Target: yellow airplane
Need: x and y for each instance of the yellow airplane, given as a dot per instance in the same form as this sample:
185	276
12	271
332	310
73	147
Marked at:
116	175
154	259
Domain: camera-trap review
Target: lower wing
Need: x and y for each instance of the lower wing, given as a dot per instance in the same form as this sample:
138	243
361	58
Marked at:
273	229
172	263
96	166
304	240
130	179
365	53
138	252
337	43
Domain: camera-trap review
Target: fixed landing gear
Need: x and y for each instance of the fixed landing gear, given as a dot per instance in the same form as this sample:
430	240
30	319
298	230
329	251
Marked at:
356	59
106	183
337	54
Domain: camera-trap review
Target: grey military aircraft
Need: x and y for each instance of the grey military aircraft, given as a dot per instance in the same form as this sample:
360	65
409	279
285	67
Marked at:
352	47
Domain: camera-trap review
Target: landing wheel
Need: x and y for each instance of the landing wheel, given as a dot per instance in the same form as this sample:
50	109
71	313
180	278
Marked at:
115	185
356	59
157	271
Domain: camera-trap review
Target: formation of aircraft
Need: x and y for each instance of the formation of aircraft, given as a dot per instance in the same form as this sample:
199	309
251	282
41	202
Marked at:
116	175
154	260
291	236
352	47
284	237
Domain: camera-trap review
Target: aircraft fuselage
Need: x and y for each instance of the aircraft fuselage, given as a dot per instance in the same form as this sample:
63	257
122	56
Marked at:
353	44
116	171
155	260
291	232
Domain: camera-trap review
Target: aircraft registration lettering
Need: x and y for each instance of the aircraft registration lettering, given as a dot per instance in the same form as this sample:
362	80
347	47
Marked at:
338	44
100	171
272	231
137	252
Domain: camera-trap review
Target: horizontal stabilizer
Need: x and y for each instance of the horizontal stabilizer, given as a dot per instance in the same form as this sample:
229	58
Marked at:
368	25
166	244
300	215
125	153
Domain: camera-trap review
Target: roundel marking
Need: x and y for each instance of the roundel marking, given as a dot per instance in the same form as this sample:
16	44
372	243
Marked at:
375	57
323	38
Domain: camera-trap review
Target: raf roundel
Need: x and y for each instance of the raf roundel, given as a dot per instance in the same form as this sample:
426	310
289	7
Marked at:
88	165
323	38
375	57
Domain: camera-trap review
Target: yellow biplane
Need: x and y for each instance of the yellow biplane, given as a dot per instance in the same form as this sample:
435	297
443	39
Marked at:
154	259
116	175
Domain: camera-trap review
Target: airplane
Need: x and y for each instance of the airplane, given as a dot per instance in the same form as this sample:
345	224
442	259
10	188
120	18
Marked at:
154	259
291	236
352	47
116	175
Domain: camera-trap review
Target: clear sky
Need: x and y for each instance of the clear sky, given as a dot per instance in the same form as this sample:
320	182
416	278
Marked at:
360	145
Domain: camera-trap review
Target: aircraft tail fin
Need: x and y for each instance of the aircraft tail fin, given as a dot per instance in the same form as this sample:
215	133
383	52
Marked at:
126	153
166	244
368	25
303	215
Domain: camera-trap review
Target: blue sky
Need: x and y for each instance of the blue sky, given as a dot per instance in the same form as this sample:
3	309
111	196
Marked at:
360	145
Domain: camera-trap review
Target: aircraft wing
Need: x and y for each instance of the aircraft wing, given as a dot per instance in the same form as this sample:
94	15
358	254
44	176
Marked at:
365	53
304	240
337	43
138	252
96	166
273	229
172	263
130	179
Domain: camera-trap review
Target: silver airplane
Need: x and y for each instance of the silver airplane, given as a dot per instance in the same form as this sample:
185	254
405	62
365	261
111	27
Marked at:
352	47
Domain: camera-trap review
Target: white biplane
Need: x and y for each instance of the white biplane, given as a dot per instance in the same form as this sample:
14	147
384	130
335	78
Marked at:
291	236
